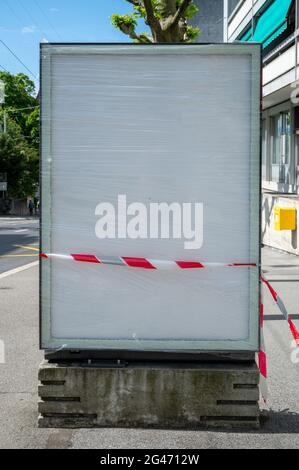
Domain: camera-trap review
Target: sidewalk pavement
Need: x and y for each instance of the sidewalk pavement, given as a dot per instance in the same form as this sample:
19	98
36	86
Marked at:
18	380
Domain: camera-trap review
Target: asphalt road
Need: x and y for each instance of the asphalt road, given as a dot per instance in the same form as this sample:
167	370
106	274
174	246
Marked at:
19	240
18	375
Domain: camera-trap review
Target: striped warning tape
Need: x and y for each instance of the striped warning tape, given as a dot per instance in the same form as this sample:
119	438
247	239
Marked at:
146	263
262	356
282	308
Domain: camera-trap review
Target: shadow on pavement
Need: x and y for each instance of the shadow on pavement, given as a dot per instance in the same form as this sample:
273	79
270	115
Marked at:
280	422
272	422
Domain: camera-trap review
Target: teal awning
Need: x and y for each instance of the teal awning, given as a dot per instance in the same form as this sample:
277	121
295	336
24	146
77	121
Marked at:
270	24
247	36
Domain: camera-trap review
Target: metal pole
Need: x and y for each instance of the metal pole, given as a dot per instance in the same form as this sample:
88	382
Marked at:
252	19
295	137
225	20
296	38
2	101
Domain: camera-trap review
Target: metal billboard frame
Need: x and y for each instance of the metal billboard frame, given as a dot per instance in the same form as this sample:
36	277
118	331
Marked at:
120	348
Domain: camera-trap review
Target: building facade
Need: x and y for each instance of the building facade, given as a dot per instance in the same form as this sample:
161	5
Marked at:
209	19
275	24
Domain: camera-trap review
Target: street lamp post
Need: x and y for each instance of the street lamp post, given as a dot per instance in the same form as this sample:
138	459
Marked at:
4	122
2	101
3	177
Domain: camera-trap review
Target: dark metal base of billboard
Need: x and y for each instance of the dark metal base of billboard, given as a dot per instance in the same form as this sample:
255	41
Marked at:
157	395
128	357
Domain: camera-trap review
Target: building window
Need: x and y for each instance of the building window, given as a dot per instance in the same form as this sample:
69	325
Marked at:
286	132
264	149
297	159
281	146
276	139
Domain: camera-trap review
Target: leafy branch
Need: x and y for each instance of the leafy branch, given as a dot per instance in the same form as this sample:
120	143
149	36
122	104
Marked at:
167	20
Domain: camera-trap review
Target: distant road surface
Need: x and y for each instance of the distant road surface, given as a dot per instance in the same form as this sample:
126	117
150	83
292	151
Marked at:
19	242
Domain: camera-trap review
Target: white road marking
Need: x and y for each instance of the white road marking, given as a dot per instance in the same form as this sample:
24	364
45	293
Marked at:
18	270
11	219
22	230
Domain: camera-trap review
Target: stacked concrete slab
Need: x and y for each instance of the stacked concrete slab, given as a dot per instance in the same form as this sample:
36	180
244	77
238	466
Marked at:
184	396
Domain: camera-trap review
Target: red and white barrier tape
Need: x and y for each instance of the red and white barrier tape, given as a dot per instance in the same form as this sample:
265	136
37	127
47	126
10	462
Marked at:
261	357
283	310
146	263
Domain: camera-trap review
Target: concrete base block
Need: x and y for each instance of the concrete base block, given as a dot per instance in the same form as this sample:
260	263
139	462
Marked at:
161	396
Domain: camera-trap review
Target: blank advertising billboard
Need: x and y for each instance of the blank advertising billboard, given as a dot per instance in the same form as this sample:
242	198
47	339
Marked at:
150	186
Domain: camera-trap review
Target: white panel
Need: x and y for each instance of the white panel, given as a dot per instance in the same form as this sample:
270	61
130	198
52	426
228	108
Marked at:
158	128
277	67
281	86
243	17
241	14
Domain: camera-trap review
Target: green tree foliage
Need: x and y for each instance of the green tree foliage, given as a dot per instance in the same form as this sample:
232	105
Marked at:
19	156
20	100
32	128
20	162
167	20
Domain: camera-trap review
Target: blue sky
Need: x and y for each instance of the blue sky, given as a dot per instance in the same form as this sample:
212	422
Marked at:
26	23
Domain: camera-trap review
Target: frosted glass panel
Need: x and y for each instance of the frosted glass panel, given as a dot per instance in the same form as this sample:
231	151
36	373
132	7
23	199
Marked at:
155	127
